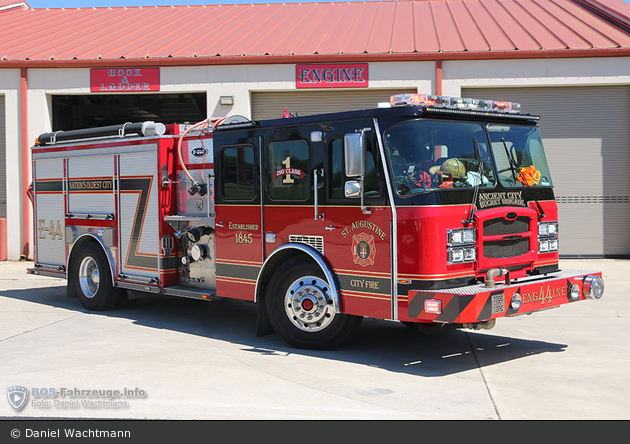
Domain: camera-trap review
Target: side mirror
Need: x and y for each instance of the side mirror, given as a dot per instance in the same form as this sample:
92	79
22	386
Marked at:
355	154
353	188
355	146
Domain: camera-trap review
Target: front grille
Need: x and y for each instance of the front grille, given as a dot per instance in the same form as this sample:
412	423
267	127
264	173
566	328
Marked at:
517	231
506	248
494	227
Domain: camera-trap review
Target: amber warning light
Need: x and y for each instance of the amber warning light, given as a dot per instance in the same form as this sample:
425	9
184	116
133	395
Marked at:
456	103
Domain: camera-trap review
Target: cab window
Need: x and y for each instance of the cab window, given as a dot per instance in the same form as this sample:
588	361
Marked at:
520	157
338	178
289	177
238	173
426	155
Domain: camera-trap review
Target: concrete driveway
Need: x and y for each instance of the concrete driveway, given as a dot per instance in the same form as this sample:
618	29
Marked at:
174	358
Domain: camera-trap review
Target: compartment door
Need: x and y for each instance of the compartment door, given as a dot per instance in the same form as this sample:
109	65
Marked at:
50	245
138	215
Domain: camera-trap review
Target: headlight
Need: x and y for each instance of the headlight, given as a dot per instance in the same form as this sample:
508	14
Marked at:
455	255
593	287
515	302
464	236
547	245
461	255
543	246
547	228
574	292
547	237
469	254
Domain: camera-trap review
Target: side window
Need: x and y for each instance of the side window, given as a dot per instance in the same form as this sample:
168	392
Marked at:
371	181
336	163
237	172
338	177
289	177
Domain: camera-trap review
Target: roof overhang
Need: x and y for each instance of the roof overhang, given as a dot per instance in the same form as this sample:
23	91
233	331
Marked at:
319	58
22	5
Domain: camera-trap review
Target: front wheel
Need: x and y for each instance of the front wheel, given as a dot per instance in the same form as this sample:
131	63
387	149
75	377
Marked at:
300	307
92	280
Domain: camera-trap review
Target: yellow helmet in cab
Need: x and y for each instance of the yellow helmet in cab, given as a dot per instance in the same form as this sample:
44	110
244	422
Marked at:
455	167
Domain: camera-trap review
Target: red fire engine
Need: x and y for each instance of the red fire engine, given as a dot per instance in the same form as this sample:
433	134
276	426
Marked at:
437	212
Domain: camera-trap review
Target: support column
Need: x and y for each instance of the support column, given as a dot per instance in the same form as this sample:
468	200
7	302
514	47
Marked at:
26	165
438	77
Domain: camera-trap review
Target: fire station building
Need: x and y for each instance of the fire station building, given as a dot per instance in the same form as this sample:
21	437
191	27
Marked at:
565	60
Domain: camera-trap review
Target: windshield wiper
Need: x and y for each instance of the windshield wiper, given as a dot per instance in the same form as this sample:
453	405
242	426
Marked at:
470	218
511	161
515	169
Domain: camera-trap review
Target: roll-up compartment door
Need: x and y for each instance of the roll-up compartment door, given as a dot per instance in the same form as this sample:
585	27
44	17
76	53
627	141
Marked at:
50	245
139	215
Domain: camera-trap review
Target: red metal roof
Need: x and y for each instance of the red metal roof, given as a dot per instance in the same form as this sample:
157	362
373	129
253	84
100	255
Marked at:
286	33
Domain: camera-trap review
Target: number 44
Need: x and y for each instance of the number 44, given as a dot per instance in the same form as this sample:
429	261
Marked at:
55	232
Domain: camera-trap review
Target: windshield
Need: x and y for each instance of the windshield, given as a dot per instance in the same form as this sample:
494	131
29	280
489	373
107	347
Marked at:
526	164
426	155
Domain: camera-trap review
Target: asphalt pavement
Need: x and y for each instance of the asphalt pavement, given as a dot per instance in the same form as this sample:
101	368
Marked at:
174	358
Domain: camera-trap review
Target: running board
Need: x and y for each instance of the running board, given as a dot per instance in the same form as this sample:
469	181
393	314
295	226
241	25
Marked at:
189	292
60	272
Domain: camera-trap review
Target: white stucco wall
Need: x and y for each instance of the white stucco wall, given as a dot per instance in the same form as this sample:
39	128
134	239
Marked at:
535	72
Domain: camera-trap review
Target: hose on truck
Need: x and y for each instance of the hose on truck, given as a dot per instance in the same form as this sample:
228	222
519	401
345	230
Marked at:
196	187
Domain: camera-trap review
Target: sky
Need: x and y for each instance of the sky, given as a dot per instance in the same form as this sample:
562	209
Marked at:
105	3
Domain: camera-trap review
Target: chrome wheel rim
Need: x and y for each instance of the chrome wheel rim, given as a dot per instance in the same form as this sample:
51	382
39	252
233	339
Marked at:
89	277
308	304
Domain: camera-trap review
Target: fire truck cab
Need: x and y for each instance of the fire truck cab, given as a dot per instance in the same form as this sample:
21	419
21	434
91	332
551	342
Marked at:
434	211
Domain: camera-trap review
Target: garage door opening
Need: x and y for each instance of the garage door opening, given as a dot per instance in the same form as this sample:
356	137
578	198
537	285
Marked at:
589	157
89	111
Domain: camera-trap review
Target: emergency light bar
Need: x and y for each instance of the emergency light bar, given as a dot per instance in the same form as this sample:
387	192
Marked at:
455	103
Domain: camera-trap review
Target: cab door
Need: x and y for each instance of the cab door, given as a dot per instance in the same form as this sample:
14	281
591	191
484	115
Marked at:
305	202
238	226
293	175
359	239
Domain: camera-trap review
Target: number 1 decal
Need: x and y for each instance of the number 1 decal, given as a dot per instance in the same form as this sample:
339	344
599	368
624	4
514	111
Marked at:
287	163
287	172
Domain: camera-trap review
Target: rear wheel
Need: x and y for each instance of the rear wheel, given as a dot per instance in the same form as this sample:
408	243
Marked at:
92	280
300	307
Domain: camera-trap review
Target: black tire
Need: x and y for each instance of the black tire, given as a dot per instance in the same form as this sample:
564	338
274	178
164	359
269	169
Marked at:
300	308
92	279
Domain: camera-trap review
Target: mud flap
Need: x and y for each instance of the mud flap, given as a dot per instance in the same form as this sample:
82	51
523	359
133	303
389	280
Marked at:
263	327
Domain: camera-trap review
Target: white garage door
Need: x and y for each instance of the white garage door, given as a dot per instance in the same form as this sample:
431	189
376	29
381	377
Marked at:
271	104
586	133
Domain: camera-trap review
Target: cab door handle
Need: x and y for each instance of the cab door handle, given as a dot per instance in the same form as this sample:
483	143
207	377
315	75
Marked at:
316	193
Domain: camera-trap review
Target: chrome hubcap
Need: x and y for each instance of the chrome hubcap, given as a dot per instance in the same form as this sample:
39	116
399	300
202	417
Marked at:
308	304
89	277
